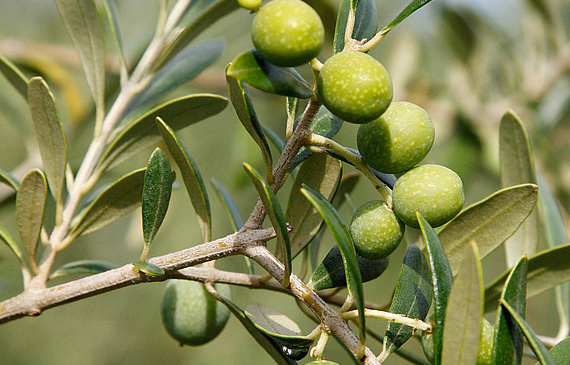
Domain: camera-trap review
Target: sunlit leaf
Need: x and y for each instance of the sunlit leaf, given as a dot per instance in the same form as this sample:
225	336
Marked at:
275	213
120	198
412	297
8	179
508	339
191	177
30	209
143	133
442	280
489	222
82	267
245	111
347	250
49	134
156	194
148	268
14	76
365	25
322	173
251	68
464	313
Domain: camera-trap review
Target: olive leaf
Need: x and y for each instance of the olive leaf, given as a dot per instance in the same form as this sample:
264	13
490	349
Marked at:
561	352
464	312
508	339
82	267
114	25
347	184
191	177
490	222
13	246
49	134
148	268
273	137
251	68
8	179
229	205
156	194
30	209
322	173
365	25
14	76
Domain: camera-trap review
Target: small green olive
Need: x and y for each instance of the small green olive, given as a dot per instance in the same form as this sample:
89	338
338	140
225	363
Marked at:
288	33
354	86
249	4
433	190
398	140
375	230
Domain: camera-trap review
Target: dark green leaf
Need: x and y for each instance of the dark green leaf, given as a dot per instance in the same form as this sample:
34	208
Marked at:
561	352
30	209
489	222
14	76
408	10
229	205
464	313
273	209
80	19
120	198
412	297
442	280
273	137
142	133
535	343
331	274
184	67
49	134
14	247
8	179
546	270
246	113
508	339
365	25
156	194
148	268
347	250
82	267
251	68
191	177
322	173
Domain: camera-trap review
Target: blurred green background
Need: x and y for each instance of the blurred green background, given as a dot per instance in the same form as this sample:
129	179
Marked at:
465	62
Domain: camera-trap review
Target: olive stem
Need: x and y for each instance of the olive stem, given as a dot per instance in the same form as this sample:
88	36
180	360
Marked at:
392	317
319	348
315	333
374	40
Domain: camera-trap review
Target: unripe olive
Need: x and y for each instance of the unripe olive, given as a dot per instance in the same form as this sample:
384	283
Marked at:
190	314
249	4
354	86
398	140
288	33
433	190
375	230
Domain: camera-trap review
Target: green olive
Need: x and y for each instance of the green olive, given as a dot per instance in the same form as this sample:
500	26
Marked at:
249	4
434	191
190	314
354	87
398	140
288	33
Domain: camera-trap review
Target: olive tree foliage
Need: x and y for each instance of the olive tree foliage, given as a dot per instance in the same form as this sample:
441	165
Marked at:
441	273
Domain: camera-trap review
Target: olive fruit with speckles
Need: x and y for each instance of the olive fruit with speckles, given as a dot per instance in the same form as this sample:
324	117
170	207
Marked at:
190	314
398	140
375	230
354	86
288	33
435	191
249	4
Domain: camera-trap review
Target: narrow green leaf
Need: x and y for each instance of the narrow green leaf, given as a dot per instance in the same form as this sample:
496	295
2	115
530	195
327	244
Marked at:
292	109
251	68
517	167
408	10
82	267
14	76
347	184
412	297
273	137
191	177
13	246
533	340
229	205
120	198
365	25
82	23
347	250
331	274
49	134
30	209
464	312
156	194
184	67
143	133
508	339
148	268
546	270
8	179
489	222
273	209
322	173
245	111
561	352
442	280
113	16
